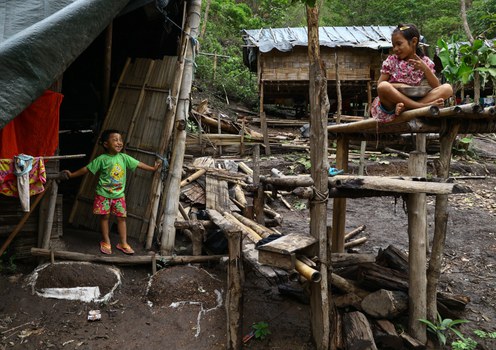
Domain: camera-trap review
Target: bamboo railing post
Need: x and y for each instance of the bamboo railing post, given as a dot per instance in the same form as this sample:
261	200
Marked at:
339	206
417	226
440	220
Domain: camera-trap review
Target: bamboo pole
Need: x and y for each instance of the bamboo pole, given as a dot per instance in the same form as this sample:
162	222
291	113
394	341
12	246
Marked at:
168	232
373	123
417	227
193	177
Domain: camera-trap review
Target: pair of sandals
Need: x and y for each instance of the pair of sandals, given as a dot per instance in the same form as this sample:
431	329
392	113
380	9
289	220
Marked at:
106	248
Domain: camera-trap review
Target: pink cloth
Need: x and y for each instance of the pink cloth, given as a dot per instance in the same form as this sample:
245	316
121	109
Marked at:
8	181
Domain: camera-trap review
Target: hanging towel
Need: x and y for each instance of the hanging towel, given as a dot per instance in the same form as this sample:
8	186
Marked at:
8	179
22	165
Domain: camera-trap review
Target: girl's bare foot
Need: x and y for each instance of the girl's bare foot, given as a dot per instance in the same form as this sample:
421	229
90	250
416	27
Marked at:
400	108
438	102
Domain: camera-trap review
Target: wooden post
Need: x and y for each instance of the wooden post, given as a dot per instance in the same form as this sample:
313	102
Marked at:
363	144
263	120
440	220
320	294
234	297
417	226
47	229
258	201
338	88
107	66
339	206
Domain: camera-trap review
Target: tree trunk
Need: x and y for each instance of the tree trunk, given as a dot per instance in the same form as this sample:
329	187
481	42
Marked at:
319	107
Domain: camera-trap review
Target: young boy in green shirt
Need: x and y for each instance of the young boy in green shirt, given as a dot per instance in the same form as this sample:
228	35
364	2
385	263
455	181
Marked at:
109	198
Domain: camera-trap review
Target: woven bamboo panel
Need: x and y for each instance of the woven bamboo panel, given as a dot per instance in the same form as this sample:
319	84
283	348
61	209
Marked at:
354	64
137	110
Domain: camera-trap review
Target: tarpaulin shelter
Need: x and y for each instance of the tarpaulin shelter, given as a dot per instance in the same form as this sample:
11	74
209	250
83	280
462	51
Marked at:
71	45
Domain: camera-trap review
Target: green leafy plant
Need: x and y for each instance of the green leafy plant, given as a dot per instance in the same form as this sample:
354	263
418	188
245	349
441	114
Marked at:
470	344
261	330
299	205
441	328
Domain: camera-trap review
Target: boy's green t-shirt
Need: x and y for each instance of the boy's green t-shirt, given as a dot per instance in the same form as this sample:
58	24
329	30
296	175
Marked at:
112	169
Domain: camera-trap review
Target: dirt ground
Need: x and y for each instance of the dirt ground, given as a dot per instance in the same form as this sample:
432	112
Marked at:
181	307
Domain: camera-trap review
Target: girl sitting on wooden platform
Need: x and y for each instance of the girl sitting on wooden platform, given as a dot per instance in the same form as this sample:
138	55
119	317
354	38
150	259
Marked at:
404	71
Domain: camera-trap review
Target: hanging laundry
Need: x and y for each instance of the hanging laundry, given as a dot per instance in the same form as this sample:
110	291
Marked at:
35	130
22	165
8	179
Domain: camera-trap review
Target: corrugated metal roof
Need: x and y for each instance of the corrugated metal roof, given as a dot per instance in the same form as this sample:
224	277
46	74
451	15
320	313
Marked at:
284	39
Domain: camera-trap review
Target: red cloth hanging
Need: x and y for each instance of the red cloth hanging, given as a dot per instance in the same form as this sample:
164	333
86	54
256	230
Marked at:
35	131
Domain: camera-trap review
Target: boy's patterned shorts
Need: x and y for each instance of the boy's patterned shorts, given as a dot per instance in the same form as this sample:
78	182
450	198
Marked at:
104	206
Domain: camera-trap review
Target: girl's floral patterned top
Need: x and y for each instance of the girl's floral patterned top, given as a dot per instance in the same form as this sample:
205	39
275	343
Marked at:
401	71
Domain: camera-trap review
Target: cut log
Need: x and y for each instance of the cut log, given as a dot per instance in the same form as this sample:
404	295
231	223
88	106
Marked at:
347	286
345	259
355	242
357	331
393	258
380	183
411	343
354	232
385	335
385	304
288	182
375	277
125	260
347	300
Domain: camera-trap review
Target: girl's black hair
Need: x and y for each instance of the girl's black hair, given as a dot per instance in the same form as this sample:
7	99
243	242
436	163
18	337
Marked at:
410	31
106	134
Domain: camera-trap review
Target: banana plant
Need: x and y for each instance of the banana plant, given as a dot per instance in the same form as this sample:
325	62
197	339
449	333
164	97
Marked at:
461	62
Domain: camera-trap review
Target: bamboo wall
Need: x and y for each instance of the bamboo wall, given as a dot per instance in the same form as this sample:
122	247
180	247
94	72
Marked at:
137	110
354	64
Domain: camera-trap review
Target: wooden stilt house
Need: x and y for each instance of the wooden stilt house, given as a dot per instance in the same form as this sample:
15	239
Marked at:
352	55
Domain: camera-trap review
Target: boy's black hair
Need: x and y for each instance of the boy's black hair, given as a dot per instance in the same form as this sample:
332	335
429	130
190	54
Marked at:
106	134
410	31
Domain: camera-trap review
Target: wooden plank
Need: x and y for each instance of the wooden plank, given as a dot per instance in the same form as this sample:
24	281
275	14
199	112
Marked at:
289	244
217	194
282	261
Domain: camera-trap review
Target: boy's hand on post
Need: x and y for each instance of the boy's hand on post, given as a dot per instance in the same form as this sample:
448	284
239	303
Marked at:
157	165
64	175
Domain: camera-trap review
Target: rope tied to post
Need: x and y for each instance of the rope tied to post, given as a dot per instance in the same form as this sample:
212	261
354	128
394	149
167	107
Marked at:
318	196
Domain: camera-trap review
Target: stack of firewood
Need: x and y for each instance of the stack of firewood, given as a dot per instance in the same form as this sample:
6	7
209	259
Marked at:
371	296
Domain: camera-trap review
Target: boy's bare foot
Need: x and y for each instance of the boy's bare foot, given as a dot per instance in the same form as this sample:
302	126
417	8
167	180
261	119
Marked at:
400	108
